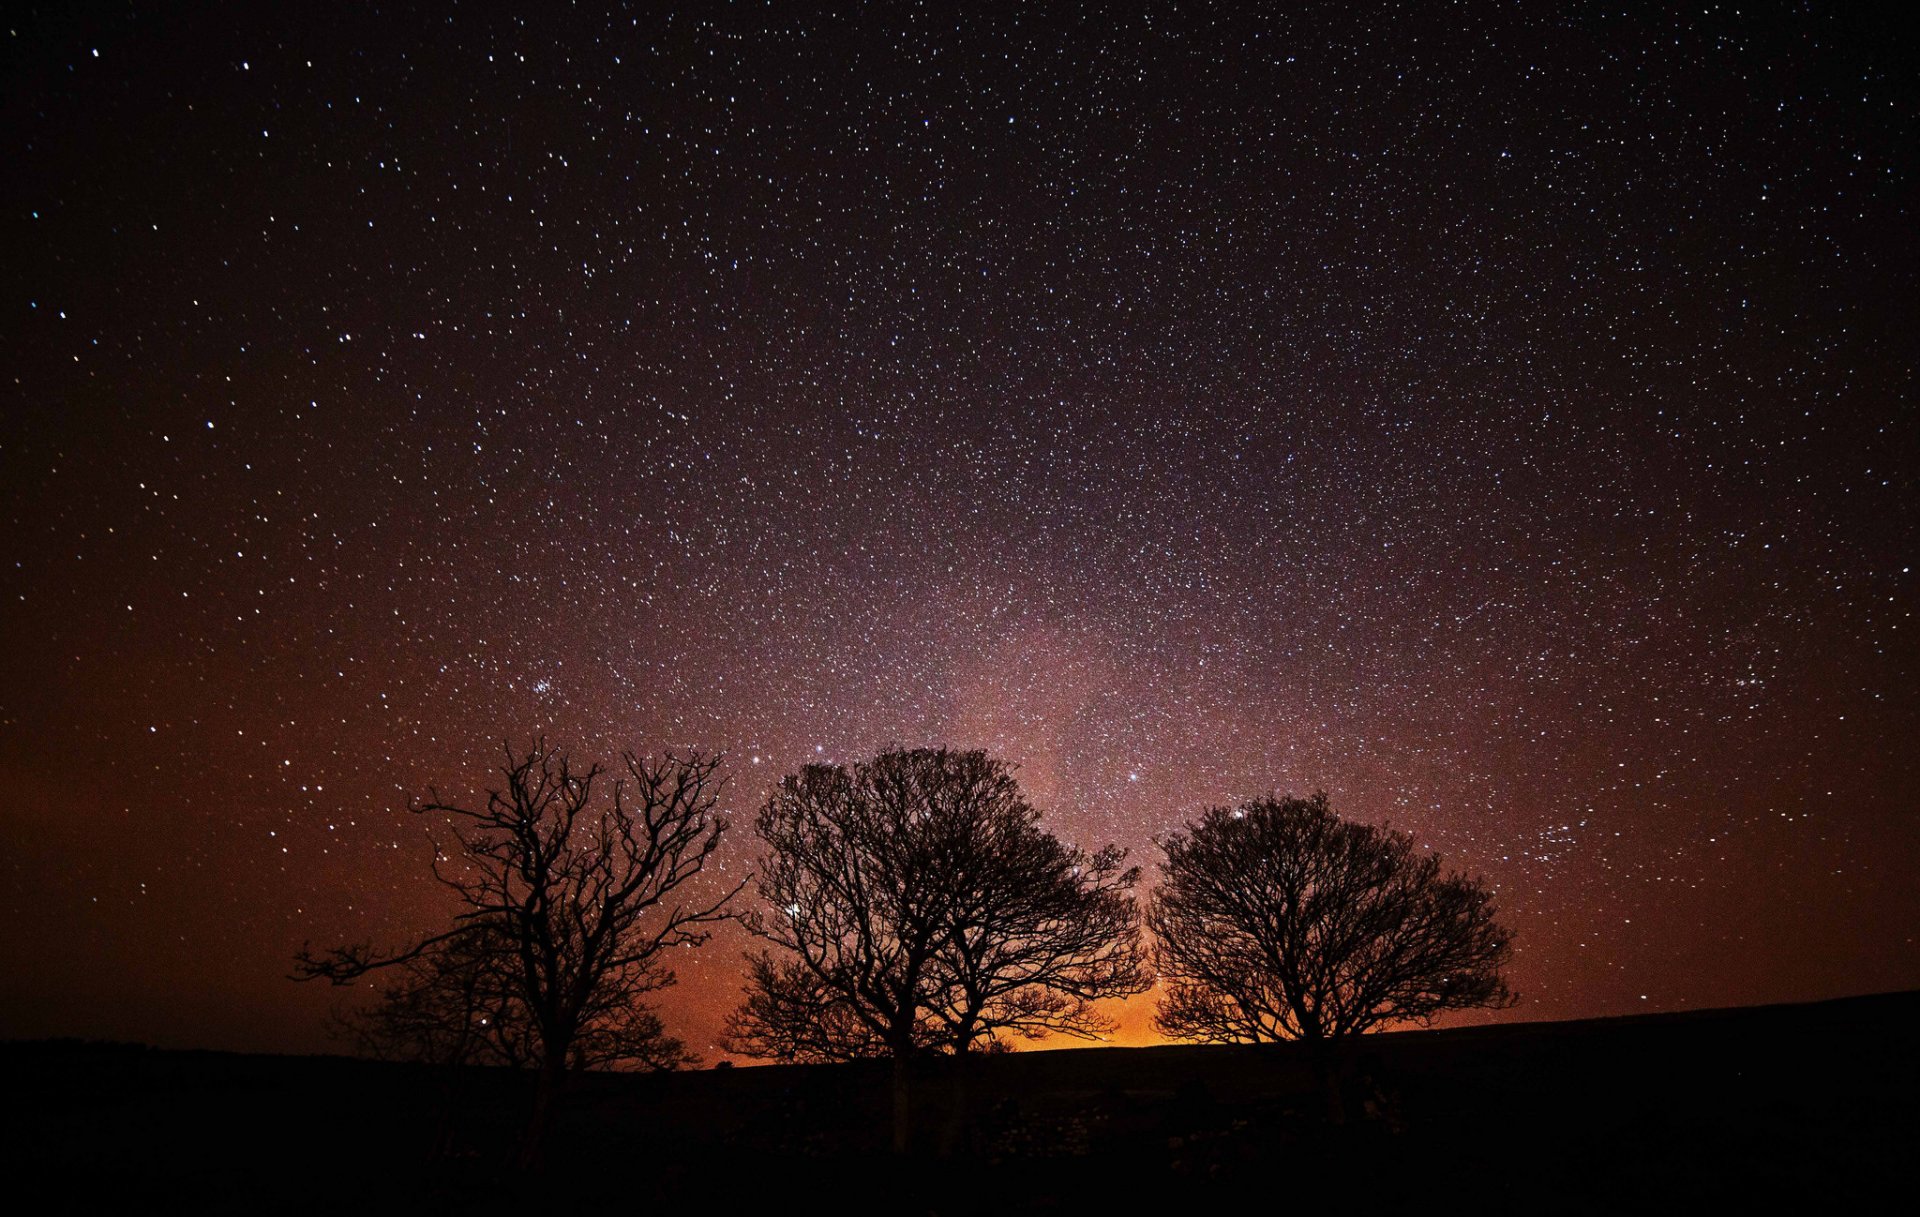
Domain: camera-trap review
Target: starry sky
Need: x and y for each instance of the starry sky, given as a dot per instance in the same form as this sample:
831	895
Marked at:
1494	415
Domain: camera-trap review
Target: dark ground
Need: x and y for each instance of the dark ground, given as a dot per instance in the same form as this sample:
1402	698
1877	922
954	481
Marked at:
1808	1107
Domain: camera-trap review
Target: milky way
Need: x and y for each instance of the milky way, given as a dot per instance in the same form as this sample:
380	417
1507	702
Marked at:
1497	421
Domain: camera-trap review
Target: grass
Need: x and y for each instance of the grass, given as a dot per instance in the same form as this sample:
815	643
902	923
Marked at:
1806	1104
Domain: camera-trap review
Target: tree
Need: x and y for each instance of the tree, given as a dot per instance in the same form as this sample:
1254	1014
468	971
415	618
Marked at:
918	907
451	1004
1277	920
791	1014
1037	932
459	1002
569	903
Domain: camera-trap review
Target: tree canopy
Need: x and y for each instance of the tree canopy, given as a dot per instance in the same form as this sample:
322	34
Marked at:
1278	920
914	904
571	890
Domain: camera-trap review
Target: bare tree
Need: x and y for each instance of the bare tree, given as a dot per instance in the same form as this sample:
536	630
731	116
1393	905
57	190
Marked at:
857	865
791	1014
569	903
451	1004
1037	932
1277	920
920	908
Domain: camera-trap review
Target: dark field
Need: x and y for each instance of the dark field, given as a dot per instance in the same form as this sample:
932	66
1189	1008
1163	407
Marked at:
1810	1105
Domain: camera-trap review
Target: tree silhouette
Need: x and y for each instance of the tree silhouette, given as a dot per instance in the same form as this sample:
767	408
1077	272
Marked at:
1277	920
1037	932
453	1003
917	906
459	1002
568	905
791	1014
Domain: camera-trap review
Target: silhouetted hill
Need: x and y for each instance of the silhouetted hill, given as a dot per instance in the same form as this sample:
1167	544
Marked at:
1703	1110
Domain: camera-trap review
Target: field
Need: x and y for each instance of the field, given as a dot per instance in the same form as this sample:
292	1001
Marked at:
1800	1105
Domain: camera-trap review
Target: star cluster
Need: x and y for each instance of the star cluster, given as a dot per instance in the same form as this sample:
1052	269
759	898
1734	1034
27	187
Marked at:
1495	418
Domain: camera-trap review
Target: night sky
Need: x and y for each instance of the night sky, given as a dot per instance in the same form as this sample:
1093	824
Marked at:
1494	417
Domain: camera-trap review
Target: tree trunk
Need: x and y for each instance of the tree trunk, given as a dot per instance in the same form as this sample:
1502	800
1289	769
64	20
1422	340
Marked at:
956	1139
546	1091
1326	1072
902	1103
